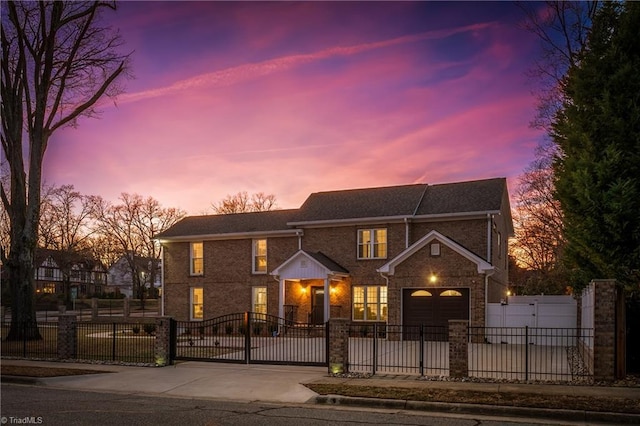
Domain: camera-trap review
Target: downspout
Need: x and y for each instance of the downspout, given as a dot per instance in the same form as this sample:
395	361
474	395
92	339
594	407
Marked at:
280	296
162	279
487	274
489	235
327	300
299	234
386	279
406	232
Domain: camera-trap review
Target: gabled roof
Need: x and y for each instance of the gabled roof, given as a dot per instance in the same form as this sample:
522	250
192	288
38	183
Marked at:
226	224
399	202
392	201
67	258
462	197
389	267
369	205
319	259
327	262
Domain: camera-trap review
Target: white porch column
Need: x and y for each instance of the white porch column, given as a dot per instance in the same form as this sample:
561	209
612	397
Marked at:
281	298
327	299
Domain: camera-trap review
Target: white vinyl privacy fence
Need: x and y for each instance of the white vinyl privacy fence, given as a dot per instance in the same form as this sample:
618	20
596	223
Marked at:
534	311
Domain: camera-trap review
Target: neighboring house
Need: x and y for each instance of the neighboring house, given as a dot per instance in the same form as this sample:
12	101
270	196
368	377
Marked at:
84	275
121	277
408	254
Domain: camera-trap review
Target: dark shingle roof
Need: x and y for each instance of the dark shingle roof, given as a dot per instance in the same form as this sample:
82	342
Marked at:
406	200
326	261
384	202
274	220
361	203
463	197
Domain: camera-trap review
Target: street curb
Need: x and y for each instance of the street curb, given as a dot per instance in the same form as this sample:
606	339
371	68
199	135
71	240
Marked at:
22	380
487	410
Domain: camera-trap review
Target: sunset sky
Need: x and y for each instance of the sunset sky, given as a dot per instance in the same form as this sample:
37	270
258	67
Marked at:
294	98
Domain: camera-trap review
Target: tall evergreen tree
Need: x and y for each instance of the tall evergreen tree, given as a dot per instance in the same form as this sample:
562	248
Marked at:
598	168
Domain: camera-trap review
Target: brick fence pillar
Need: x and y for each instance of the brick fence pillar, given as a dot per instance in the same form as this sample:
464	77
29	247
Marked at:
604	330
94	309
338	345
458	348
126	308
67	336
162	344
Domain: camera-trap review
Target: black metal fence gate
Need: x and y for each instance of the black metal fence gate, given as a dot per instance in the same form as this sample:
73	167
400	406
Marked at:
250	338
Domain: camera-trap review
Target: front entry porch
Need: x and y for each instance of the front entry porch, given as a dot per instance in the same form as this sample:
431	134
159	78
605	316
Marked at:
312	288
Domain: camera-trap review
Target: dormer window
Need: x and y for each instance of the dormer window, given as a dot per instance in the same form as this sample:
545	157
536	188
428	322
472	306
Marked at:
372	243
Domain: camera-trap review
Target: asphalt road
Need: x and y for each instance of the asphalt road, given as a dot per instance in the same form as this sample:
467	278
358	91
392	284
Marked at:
26	404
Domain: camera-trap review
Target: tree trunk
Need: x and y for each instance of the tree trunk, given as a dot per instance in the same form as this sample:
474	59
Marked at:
23	314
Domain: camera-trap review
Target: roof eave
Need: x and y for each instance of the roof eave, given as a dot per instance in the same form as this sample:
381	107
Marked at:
350	221
230	236
458	215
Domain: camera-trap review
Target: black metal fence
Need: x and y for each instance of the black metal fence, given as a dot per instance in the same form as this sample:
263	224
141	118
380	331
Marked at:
250	337
530	354
123	342
45	347
396	349
119	342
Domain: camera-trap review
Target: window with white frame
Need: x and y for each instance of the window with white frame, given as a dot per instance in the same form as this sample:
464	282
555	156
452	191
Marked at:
260	256
197	258
197	303
259	301
370	303
372	243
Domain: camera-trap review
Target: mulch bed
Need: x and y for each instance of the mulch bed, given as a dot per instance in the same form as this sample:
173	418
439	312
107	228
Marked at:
513	399
30	371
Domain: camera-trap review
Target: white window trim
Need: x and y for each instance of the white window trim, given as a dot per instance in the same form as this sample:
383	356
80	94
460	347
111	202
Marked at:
379	304
371	243
254	255
191	304
254	293
191	259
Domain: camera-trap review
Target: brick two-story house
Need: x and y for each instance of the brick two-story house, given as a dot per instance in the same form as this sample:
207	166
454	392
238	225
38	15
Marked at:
406	254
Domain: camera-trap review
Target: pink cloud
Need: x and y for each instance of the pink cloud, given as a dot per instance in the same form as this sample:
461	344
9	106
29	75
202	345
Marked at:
386	111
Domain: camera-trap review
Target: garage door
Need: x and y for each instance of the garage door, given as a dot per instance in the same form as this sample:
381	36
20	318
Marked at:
434	306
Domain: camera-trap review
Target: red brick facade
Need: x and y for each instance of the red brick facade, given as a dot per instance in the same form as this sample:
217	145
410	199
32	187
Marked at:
470	221
228	279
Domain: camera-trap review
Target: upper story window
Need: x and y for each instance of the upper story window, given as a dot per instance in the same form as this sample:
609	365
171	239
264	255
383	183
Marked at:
372	243
197	258
259	256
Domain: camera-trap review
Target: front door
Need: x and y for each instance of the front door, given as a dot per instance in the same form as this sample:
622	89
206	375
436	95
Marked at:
317	305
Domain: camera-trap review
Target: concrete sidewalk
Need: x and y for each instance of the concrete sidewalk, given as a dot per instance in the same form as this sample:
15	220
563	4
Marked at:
284	384
238	382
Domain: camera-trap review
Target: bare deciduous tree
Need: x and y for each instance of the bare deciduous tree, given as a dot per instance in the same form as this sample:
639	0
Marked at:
65	226
562	28
242	203
58	61
131	227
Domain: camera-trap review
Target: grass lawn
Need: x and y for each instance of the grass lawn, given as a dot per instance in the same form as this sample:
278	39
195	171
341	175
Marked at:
94	341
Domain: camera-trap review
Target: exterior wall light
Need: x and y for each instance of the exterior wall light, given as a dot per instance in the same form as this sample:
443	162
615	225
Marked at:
433	279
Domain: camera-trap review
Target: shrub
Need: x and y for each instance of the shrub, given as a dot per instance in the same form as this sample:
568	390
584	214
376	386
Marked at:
149	328
135	329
